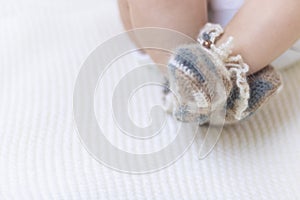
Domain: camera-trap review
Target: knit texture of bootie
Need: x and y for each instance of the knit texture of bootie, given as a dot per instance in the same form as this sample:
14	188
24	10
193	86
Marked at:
205	77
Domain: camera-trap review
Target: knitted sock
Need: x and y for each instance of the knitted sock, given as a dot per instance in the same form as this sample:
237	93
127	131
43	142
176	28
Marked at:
262	85
204	77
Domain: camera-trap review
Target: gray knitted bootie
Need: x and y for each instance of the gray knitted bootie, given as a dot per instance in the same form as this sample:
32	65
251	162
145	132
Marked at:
205	77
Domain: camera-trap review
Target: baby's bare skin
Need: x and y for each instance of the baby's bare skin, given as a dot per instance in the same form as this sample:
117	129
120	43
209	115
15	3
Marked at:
262	29
187	17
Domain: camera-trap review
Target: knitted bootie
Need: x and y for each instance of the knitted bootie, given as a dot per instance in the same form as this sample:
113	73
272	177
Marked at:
205	77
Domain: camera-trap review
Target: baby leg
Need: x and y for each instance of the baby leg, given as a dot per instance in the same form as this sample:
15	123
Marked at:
186	16
263	30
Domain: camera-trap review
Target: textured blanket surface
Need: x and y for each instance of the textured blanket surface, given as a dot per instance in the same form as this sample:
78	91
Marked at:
42	46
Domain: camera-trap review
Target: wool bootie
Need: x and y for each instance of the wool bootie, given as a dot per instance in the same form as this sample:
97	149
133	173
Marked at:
205	77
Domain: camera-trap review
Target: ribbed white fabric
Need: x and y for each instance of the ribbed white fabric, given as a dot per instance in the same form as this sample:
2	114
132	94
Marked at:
42	46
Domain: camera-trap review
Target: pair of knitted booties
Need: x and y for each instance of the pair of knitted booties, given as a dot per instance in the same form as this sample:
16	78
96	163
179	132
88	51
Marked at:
205	77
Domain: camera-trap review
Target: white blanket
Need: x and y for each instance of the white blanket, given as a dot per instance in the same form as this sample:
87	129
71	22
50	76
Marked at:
42	46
